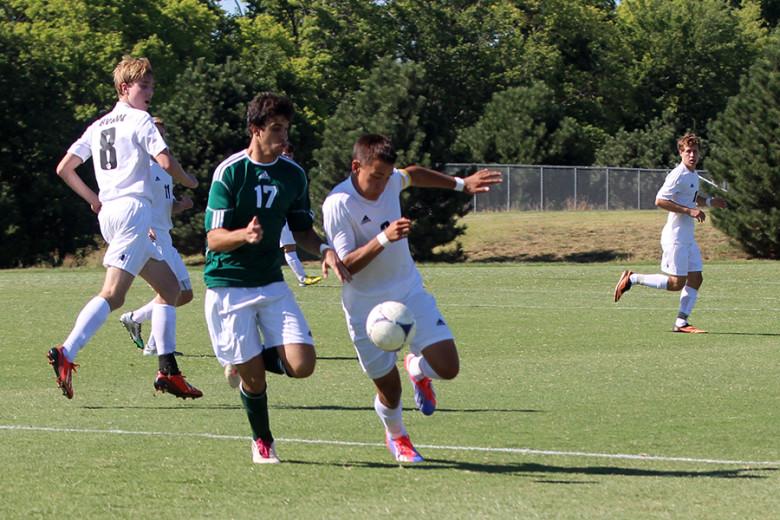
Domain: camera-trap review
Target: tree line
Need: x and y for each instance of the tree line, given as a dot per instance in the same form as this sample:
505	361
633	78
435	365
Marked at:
522	81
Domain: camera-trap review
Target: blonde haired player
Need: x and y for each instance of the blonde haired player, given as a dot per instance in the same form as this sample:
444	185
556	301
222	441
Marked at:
121	144
362	218
681	261
164	205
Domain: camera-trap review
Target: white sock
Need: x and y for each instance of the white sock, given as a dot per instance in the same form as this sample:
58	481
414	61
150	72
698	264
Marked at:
152	343
391	418
419	368
89	320
164	327
144	313
656	281
688	300
295	264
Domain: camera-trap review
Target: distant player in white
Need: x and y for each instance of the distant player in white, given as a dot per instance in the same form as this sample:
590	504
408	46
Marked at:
681	261
362	218
163	206
287	243
121	144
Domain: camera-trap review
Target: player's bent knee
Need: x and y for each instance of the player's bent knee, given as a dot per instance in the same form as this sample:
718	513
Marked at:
676	283
185	297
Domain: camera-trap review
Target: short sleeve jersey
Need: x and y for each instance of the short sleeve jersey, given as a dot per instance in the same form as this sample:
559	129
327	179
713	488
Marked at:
351	221
121	144
273	192
681	186
162	203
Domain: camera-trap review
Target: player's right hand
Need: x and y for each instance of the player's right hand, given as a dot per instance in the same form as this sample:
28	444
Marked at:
698	214
398	229
254	231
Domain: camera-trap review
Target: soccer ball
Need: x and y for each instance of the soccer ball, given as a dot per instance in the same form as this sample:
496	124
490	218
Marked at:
391	325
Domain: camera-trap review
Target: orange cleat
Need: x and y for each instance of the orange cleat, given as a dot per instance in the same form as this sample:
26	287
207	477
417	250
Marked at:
623	285
688	329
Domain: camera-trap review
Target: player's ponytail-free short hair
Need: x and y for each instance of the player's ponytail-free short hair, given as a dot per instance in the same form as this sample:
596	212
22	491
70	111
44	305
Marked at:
369	147
690	139
130	70
266	105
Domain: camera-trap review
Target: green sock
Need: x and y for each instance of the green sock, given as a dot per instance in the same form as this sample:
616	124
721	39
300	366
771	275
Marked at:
256	406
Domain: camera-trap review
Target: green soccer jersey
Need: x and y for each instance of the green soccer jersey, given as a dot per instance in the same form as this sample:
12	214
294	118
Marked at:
241	188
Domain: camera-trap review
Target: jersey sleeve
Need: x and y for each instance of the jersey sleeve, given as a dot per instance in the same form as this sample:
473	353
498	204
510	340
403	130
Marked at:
82	148
338	229
149	137
669	188
221	203
406	179
300	216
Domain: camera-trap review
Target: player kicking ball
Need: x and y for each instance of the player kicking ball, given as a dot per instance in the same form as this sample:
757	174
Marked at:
362	218
681	261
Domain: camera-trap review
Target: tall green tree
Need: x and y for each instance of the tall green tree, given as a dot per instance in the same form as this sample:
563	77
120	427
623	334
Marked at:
744	152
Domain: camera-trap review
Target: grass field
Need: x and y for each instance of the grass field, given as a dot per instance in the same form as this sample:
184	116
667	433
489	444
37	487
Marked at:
567	406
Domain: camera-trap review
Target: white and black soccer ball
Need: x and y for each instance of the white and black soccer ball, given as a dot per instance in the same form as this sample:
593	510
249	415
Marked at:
391	326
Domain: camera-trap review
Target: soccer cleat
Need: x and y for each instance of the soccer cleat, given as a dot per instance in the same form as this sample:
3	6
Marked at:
176	385
231	374
309	280
264	453
424	396
623	285
688	329
134	328
401	448
63	369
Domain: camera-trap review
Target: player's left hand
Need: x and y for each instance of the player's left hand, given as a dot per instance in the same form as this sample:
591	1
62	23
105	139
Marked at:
95	207
331	260
481	181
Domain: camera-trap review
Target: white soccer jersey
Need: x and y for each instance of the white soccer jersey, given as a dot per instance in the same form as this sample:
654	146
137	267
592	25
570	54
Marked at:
121	143
162	204
351	221
681	186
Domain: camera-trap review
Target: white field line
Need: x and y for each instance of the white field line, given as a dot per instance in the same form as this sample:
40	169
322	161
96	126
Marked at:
516	451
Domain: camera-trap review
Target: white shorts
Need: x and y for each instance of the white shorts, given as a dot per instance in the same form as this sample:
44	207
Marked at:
164	245
286	238
124	224
240	318
681	259
431	328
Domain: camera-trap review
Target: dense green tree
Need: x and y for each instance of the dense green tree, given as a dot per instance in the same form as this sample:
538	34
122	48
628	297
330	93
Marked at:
652	146
686	58
745	152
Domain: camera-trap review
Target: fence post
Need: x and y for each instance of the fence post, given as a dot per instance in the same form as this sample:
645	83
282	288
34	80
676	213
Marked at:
575	188
606	205
541	188
508	188
639	188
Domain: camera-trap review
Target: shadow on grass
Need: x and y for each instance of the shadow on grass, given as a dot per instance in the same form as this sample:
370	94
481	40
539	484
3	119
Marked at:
532	470
772	334
328	407
583	257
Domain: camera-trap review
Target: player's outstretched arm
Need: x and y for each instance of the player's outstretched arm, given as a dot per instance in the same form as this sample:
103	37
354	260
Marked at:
710	201
480	181
66	169
169	163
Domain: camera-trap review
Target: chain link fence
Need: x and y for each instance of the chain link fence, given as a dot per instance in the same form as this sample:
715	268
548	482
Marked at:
534	187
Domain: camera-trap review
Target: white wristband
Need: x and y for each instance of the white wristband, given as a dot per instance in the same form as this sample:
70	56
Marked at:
324	247
708	201
459	184
382	239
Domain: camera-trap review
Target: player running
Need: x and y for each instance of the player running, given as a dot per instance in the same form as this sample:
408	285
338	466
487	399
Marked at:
121	144
681	260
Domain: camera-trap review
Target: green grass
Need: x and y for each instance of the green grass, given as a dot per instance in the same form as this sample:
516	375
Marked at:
548	363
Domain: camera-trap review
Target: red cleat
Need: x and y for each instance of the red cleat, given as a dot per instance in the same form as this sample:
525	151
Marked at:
176	385
63	369
623	285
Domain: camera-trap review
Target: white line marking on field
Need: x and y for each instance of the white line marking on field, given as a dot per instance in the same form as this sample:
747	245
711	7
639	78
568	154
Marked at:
517	451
